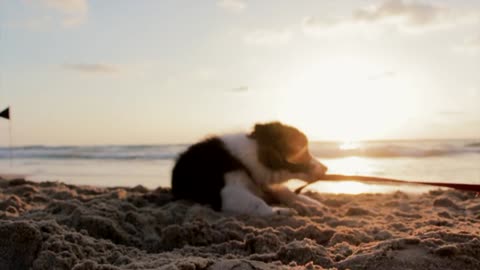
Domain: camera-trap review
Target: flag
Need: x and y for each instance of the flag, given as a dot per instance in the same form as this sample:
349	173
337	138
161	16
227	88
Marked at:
5	113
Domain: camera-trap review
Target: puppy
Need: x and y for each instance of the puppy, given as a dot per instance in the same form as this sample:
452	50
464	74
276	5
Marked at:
240	173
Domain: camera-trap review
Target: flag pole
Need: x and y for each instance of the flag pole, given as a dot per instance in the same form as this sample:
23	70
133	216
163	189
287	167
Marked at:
10	140
6	114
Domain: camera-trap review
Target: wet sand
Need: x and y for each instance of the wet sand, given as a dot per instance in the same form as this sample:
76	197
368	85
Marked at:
51	225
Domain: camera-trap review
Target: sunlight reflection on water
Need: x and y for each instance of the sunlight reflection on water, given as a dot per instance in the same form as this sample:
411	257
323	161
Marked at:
355	165
353	187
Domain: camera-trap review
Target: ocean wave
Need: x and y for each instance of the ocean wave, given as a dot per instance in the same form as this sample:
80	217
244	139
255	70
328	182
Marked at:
168	152
475	144
130	152
394	150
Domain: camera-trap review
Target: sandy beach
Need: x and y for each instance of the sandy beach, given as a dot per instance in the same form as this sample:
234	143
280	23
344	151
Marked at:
108	106
51	225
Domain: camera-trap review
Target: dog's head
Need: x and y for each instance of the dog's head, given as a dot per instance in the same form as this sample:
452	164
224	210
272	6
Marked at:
285	148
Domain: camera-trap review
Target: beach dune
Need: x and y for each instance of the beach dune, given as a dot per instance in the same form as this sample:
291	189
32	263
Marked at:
51	225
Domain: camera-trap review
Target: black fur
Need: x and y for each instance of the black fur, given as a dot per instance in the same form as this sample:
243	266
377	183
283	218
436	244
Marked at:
198	174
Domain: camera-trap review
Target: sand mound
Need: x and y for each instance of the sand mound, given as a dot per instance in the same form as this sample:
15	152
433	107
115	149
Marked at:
56	226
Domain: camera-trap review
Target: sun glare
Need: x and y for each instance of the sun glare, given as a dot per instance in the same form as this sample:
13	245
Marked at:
348	165
349	99
346	187
348	145
351	165
353	188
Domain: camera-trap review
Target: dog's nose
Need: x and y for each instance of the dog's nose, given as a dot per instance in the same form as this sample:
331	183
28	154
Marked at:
318	169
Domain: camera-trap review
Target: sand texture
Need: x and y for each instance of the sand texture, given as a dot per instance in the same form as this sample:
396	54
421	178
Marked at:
51	225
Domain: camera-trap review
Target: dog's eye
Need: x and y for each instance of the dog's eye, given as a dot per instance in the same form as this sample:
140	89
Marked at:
298	167
300	157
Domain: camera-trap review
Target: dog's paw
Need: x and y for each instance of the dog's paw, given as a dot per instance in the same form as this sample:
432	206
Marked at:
283	211
308	201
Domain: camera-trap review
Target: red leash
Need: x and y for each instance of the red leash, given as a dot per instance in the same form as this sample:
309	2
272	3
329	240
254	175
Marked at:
379	180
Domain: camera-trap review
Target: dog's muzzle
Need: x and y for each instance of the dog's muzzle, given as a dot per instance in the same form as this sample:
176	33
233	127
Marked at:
317	169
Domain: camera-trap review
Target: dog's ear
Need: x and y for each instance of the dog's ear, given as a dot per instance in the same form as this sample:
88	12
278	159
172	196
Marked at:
266	132
277	142
270	157
270	145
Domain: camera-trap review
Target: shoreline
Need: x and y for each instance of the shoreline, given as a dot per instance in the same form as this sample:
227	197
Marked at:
51	224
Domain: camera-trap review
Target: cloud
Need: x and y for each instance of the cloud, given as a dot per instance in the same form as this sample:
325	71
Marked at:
414	13
232	5
72	12
48	14
317	27
239	89
68	6
67	13
91	68
268	37
404	15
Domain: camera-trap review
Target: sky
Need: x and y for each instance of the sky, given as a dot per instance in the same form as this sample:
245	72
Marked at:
82	72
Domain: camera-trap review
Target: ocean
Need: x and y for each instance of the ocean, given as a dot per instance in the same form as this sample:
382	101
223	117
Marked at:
150	165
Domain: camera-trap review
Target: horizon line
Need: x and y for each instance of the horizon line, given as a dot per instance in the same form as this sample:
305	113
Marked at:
189	143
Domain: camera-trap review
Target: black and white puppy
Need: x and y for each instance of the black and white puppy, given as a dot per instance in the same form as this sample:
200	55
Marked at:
240	173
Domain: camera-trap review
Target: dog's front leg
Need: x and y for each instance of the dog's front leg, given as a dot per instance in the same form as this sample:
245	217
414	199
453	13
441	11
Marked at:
237	198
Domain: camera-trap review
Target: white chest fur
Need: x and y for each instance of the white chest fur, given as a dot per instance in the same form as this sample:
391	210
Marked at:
245	149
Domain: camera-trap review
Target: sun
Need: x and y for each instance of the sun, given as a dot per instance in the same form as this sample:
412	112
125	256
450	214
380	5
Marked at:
346	100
